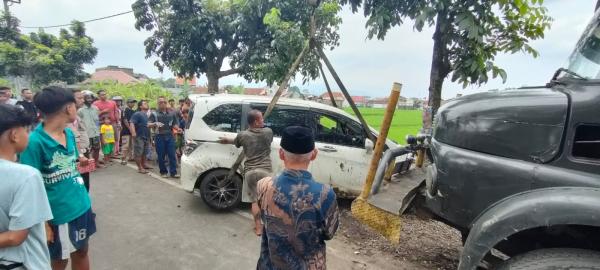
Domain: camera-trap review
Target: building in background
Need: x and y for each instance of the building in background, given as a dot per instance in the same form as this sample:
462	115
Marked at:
340	101
181	81
360	101
118	74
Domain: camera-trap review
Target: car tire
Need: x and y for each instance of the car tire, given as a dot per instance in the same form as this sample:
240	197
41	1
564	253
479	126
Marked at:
555	259
218	192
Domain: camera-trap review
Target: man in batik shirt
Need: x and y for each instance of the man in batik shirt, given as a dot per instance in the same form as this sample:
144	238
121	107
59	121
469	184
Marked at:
298	213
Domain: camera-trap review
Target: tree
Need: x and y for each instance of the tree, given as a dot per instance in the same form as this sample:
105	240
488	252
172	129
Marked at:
44	58
468	34
196	37
147	90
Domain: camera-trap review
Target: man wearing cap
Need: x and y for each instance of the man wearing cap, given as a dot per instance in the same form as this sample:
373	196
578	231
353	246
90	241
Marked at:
299	214
257	148
127	143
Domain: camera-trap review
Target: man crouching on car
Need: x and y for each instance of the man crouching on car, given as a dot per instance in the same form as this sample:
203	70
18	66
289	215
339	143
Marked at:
256	141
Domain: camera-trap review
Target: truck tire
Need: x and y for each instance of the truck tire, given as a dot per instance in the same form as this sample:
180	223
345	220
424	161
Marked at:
220	193
554	259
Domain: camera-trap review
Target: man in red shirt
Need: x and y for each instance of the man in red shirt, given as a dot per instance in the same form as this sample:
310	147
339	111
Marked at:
107	108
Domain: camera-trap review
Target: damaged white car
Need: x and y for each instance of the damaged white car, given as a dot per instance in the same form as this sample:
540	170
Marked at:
344	150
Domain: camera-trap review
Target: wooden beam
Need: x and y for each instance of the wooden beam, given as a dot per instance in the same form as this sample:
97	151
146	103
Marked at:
327	86
346	94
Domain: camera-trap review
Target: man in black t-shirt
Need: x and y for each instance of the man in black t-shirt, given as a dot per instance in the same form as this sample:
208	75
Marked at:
127	143
27	104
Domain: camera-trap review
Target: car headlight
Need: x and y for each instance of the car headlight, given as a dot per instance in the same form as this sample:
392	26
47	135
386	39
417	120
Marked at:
190	146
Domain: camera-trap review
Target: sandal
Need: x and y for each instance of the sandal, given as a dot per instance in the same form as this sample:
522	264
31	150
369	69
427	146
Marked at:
143	171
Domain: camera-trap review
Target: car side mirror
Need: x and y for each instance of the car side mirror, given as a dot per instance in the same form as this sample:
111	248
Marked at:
369	145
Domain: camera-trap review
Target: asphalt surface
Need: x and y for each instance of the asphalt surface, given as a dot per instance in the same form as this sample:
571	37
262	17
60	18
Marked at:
146	222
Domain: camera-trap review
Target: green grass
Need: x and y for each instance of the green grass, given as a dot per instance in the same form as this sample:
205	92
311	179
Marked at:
405	122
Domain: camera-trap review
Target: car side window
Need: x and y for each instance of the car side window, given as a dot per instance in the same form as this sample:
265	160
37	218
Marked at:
587	142
281	118
225	118
333	130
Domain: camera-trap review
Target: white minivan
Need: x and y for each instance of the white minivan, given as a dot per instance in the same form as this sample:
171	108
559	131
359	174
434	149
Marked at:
344	150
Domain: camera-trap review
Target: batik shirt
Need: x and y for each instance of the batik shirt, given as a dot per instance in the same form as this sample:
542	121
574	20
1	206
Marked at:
298	214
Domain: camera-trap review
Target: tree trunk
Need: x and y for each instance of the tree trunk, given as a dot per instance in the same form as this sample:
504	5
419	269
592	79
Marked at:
213	82
439	69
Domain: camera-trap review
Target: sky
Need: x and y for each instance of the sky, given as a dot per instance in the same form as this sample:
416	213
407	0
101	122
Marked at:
367	67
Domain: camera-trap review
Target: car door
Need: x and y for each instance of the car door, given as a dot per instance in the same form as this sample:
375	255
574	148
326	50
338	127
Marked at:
281	117
343	159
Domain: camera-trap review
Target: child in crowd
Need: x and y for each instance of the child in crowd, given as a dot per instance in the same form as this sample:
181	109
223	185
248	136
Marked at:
108	139
24	207
53	151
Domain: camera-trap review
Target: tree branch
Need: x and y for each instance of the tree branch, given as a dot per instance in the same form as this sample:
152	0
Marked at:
229	72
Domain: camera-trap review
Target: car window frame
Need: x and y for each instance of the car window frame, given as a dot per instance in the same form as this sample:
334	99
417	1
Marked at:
251	105
242	122
343	120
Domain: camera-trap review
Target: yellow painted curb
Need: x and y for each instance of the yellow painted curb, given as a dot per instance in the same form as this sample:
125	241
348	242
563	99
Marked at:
385	223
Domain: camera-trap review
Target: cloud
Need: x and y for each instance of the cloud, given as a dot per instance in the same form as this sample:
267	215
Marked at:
367	67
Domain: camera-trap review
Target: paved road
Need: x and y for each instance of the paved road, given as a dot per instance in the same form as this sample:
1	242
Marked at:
146	224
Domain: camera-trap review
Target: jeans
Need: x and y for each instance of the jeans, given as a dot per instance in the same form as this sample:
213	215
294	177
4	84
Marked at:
165	145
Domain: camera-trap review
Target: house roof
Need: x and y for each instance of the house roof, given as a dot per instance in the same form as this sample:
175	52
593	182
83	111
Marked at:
255	91
200	90
112	75
182	81
336	96
360	99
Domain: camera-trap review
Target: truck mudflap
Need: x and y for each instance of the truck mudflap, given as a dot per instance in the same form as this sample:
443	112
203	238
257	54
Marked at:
531	209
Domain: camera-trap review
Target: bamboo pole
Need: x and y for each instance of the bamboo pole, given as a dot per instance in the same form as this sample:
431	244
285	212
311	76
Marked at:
327	85
379	146
346	94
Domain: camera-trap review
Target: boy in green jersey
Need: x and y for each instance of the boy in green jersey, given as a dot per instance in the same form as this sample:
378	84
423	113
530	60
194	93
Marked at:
53	151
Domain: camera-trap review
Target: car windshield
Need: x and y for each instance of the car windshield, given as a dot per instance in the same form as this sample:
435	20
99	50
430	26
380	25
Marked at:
585	60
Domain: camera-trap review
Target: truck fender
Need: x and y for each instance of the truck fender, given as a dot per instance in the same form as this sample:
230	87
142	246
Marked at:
527	210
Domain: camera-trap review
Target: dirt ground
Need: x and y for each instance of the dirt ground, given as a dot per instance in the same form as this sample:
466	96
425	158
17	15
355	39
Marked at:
429	243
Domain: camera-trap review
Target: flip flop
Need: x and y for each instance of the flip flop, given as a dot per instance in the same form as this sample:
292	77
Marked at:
143	172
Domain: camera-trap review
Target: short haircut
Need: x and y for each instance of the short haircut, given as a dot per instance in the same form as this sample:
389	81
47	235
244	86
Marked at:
4	88
139	104
101	91
52	99
182	100
171	100
24	89
253	115
76	90
13	116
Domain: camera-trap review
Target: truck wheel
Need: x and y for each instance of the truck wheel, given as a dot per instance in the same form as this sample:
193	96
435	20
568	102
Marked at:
554	259
221	193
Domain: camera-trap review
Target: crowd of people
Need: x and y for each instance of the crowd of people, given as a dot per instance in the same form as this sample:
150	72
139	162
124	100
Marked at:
50	141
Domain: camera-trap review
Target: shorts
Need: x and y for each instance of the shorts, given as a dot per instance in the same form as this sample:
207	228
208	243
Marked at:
95	143
139	146
107	148
251	179
72	236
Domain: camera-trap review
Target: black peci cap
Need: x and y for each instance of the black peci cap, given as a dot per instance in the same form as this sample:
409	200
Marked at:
297	140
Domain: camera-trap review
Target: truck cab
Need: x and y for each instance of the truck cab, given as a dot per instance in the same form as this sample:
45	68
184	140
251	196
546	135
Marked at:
518	171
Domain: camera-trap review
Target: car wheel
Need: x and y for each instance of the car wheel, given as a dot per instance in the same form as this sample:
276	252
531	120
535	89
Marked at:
219	192
554	259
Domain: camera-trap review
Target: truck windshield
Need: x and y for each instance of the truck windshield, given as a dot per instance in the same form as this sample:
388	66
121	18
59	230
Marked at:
585	60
